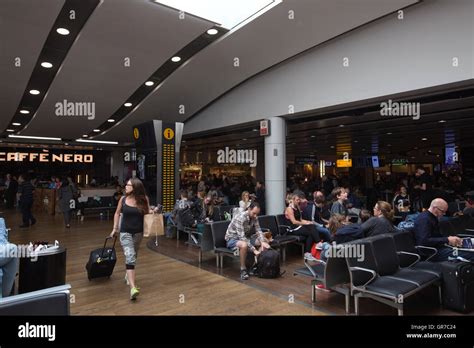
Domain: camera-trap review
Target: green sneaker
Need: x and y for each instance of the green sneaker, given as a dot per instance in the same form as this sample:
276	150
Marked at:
134	293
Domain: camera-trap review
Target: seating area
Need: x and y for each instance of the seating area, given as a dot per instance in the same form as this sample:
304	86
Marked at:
387	268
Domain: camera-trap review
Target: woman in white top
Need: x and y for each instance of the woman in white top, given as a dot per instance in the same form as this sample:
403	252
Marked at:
245	201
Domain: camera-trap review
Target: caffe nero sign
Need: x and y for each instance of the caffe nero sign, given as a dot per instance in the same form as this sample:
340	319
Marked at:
46	157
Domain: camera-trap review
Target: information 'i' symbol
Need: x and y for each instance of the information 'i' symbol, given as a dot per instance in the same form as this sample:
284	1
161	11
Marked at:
168	134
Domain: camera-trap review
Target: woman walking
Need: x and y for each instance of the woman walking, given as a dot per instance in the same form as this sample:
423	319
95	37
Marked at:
133	207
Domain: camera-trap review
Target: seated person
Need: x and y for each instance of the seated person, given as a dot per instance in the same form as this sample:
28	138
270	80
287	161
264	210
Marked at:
427	233
339	206
317	212
381	222
8	262
300	226
469	209
239	232
342	231
117	195
245	201
207	211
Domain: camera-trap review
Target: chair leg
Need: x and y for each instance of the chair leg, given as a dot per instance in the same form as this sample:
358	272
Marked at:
283	252
348	303
302	249
440	295
356	305
200	256
217	260
400	312
222	261
313	292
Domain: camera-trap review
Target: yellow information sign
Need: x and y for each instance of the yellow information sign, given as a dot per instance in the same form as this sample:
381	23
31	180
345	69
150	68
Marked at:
136	133
168	134
341	163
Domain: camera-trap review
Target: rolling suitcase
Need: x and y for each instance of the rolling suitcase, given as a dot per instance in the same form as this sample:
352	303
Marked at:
458	285
102	261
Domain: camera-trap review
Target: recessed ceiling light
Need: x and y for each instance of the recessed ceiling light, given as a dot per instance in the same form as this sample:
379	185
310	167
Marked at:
341	125
356	141
424	139
313	136
176	59
244	139
442	121
389	133
16	124
24	112
111	120
66	144
149	83
389	144
46	65
97	130
332	147
212	31
62	31
10	130
33	137
127	105
255	130
97	142
85	136
34	91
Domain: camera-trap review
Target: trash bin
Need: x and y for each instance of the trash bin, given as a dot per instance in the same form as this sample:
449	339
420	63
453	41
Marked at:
48	270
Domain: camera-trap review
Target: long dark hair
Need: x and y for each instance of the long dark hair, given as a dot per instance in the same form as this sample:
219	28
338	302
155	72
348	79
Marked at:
139	194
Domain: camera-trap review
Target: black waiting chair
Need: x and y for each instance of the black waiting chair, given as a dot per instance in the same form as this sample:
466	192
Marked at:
375	273
413	256
280	241
332	274
51	301
284	229
219	230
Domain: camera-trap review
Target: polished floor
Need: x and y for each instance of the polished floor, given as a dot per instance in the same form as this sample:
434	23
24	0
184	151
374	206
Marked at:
169	286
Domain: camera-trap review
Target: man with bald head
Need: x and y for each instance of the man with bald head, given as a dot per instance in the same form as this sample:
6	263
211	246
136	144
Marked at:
427	233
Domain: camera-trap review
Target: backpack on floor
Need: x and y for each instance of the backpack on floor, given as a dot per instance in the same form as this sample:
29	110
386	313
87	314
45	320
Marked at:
268	264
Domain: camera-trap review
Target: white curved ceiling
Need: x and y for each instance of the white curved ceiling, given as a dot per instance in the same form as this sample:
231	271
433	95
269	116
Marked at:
23	31
149	34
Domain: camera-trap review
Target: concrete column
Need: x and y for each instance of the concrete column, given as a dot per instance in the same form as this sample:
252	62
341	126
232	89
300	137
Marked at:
275	166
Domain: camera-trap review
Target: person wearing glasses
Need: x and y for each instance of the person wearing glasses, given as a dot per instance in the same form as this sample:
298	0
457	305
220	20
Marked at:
133	207
427	233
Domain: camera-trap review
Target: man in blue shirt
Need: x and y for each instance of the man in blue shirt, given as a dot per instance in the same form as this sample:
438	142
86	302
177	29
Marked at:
427	233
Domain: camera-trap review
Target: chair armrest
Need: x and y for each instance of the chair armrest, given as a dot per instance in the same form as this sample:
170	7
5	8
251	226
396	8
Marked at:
371	271
465	235
35	294
265	229
434	250
418	257
469	229
308	266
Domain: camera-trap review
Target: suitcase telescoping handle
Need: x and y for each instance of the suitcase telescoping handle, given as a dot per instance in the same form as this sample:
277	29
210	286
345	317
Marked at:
105	243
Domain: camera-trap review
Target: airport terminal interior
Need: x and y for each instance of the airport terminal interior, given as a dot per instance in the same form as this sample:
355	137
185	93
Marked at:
250	157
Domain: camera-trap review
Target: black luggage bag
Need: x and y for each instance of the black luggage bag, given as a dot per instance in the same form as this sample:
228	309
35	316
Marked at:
268	264
102	261
458	285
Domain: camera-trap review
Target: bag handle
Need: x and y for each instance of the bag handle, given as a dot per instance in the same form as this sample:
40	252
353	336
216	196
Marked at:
105	243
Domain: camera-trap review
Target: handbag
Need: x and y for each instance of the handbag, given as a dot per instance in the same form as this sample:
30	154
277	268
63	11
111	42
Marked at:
153	224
